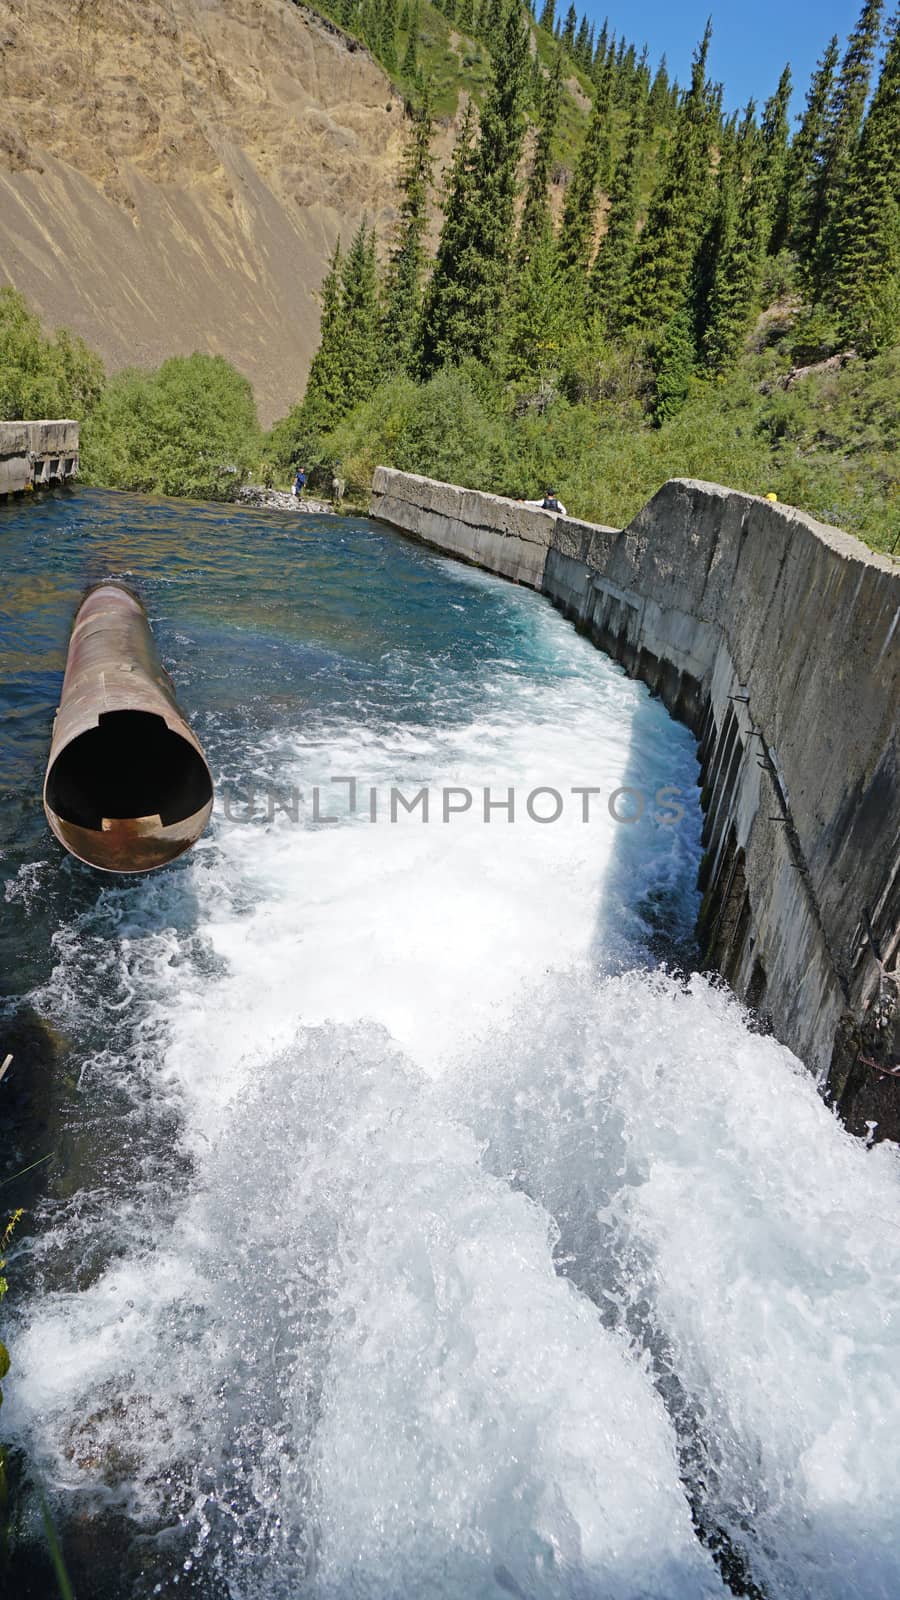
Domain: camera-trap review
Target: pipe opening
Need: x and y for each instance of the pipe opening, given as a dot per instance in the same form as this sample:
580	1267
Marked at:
131	765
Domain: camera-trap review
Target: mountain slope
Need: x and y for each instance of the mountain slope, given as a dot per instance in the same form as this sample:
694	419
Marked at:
173	174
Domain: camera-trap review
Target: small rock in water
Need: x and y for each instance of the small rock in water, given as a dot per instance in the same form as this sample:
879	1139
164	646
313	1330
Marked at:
253	494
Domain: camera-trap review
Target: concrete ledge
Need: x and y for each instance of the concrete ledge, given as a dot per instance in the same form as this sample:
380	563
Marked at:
777	639
37	454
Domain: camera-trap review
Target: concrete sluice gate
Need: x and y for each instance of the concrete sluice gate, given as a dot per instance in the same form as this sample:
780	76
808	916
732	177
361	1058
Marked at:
127	786
37	455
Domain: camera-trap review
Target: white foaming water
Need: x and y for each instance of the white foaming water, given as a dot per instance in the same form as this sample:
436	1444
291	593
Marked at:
491	1260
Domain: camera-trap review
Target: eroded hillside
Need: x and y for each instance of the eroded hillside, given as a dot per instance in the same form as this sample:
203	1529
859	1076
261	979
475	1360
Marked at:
174	173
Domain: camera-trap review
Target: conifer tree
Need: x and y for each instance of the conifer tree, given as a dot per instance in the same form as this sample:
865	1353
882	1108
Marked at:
592	168
738	265
581	43
370	24
444	305
774	132
360	323
465	16
678	209
658	102
866	288
548	15
403	284
535	210
323	400
803	156
842	130
625	76
609	274
536	320
568	32
464	305
675	365
403	24
389	34
409	66
492	17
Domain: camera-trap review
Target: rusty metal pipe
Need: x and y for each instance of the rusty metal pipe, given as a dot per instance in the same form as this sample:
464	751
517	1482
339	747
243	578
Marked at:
127	785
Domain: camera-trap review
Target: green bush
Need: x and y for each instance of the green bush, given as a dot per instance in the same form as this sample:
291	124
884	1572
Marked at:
190	428
442	429
43	377
825	445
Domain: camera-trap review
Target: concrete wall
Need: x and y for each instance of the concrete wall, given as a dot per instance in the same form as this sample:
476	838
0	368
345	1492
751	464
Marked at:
777	640
37	454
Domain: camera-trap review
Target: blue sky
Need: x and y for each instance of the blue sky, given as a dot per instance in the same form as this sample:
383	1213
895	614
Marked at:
750	44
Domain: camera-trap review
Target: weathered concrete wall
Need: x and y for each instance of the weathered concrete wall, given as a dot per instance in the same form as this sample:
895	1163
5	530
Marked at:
777	640
37	454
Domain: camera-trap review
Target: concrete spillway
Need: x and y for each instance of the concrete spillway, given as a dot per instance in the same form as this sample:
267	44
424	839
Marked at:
35	455
776	639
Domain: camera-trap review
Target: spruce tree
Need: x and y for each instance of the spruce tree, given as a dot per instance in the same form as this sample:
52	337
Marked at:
581	44
592	168
568	32
738	266
658	102
625	77
443	313
466	16
548	15
492	18
536	319
409	66
678	209
403	284
389	34
842	130
323	400
866	285
774	133
803	157
609	274
675	365
535	210
360	322
464	306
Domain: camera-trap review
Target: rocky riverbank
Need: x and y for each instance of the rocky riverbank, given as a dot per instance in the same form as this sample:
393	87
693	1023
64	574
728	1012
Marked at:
253	494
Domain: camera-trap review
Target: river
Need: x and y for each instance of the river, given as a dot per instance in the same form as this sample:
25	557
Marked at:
416	1221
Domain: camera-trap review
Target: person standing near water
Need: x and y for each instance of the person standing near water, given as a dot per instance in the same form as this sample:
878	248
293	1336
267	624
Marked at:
299	483
551	502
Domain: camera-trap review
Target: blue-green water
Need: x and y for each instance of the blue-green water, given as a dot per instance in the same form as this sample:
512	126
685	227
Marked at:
405	1230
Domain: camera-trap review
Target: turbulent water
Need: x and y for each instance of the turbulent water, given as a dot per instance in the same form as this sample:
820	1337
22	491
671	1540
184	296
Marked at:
408	1228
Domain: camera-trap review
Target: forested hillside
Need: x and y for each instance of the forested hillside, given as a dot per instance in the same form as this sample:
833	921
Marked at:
587	277
656	318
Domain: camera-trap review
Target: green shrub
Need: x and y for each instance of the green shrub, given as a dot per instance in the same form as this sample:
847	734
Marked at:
189	428
43	377
442	429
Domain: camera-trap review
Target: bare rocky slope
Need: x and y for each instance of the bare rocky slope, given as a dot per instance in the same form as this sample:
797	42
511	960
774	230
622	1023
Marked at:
174	173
